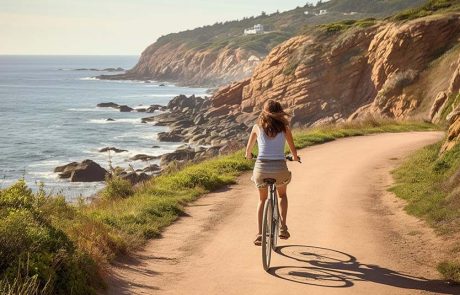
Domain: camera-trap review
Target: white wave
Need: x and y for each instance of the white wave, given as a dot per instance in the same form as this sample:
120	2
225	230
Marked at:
43	174
118	81
149	135
46	163
88	78
95	109
104	121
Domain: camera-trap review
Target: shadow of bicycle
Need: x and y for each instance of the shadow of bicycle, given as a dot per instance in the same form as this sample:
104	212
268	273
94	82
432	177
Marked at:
335	269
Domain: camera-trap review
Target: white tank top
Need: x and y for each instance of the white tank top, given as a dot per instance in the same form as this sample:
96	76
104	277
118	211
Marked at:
270	148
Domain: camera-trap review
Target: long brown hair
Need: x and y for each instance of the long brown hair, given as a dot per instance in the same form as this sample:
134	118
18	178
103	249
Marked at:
273	119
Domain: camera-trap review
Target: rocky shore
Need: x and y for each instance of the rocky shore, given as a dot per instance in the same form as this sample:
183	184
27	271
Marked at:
206	127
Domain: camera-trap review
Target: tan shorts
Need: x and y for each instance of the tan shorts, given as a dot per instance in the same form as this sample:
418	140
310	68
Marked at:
276	169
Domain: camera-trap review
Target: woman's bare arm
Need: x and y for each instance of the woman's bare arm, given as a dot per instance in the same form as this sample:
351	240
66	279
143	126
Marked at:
290	141
251	142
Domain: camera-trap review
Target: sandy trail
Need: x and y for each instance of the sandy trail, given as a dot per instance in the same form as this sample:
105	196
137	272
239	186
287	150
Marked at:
349	235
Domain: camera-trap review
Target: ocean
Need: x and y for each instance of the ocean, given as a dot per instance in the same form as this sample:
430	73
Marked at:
48	117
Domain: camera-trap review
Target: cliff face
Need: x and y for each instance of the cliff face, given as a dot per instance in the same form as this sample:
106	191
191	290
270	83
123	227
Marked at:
394	70
194	67
218	54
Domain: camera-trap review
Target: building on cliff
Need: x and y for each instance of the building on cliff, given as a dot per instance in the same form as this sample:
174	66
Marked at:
257	29
322	12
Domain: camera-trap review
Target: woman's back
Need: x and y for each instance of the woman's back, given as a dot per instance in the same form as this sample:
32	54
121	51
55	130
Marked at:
270	148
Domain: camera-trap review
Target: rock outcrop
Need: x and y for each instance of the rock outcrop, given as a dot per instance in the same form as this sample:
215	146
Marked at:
324	78
451	108
113	149
190	66
86	171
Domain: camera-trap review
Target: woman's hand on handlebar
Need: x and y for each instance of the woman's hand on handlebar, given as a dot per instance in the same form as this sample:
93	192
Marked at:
249	156
293	158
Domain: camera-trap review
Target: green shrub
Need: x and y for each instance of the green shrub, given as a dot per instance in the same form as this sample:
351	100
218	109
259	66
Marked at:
427	9
117	187
450	270
27	233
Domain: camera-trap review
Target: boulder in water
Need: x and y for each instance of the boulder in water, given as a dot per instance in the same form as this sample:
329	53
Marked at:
86	171
108	105
125	108
113	149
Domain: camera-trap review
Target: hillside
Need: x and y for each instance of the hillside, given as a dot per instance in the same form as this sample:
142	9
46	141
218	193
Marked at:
404	67
221	53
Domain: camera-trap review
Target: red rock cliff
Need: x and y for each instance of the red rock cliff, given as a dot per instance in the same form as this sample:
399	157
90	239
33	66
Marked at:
391	69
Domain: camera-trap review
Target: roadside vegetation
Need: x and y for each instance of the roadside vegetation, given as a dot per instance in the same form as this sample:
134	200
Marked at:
348	24
48	246
282	25
431	7
430	183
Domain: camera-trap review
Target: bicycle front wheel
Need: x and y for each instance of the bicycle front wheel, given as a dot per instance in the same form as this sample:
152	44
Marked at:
267	235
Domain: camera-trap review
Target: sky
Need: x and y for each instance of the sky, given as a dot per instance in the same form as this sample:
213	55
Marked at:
113	27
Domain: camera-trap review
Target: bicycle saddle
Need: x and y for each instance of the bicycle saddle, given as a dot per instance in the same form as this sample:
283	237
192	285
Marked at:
269	180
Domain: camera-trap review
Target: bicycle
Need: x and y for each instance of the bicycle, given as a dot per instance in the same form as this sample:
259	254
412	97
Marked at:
271	221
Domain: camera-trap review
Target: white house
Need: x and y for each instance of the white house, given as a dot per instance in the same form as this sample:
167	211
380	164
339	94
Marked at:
257	29
322	12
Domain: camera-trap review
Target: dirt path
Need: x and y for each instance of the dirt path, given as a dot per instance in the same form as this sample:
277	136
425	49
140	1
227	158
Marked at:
349	236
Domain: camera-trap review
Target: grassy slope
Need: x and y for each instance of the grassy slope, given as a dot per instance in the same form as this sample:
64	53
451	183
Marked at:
282	25
430	183
43	238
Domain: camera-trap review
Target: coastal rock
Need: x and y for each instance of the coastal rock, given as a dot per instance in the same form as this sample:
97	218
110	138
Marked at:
134	177
113	149
125	108
86	171
170	137
178	155
155	107
122	108
152	168
101	70
182	102
143	157
108	105
230	94
65	167
110	120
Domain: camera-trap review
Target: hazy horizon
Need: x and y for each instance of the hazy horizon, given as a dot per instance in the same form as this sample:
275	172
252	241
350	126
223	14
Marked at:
108	27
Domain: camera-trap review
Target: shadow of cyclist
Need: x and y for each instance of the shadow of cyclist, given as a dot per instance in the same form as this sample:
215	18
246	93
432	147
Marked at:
335	269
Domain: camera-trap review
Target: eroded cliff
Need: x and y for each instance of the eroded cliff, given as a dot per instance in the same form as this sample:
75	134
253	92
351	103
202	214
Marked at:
391	69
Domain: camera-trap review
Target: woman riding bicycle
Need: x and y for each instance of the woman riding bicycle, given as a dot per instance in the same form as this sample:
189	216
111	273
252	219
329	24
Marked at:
271	133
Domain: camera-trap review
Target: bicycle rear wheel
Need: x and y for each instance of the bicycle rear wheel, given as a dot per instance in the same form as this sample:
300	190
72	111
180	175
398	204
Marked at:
267	222
275	224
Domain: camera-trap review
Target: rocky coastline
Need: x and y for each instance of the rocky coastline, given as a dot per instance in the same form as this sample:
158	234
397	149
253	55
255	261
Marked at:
204	126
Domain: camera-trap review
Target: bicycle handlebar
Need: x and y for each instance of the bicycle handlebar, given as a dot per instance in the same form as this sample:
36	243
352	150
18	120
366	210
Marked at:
288	157
291	158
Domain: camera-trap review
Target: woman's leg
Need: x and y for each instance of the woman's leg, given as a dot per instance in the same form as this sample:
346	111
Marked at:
263	193
282	193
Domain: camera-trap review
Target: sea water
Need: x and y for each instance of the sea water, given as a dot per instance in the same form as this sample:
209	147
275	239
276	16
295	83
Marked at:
48	117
